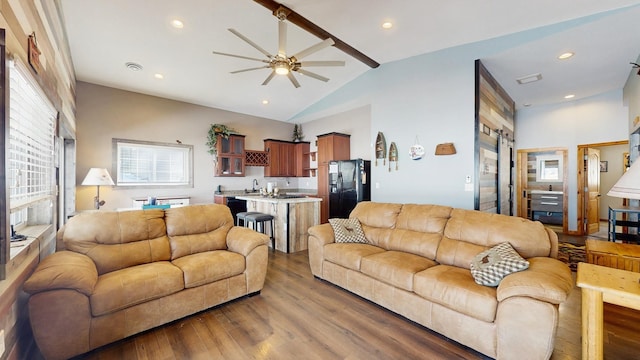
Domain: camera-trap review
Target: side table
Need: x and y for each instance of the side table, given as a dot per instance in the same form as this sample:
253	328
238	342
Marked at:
602	284
613	222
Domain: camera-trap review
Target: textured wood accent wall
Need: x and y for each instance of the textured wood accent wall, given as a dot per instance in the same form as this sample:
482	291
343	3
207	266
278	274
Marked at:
57	79
495	113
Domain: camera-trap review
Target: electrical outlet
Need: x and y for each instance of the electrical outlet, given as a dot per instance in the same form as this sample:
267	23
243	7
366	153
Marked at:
377	185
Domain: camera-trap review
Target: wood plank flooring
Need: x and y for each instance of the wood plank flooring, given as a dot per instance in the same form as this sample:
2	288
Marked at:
299	317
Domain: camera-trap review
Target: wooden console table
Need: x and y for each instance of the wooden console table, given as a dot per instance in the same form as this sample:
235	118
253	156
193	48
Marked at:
602	284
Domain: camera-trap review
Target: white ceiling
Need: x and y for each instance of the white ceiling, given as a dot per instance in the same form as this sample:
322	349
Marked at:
106	34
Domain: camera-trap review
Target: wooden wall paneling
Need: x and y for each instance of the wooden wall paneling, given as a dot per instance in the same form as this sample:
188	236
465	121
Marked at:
495	112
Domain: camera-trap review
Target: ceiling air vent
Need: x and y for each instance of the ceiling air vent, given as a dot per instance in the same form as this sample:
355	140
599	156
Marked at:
529	78
133	66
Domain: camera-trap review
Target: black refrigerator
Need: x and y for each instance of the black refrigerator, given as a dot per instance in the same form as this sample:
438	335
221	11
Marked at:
349	183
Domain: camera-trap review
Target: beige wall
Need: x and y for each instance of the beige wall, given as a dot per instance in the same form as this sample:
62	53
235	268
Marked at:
613	155
105	113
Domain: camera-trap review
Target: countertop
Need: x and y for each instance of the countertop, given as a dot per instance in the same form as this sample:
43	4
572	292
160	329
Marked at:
277	200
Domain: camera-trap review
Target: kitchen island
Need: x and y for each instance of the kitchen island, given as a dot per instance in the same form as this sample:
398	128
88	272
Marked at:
292	217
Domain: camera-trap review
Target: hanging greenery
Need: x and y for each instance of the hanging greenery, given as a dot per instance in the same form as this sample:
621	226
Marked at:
297	132
212	135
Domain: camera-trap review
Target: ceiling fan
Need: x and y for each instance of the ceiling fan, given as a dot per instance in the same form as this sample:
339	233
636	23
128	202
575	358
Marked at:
281	64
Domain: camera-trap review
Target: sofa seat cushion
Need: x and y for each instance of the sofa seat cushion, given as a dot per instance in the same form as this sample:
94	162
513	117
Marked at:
395	268
134	285
349	255
454	288
210	266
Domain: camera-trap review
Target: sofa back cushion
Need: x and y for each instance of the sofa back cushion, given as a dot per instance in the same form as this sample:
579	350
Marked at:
377	220
116	240
470	232
419	229
198	228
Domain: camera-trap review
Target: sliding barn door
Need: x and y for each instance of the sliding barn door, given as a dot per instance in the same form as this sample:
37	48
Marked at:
494	145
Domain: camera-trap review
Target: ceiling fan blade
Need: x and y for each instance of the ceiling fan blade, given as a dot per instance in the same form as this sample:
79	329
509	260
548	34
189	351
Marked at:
241	57
282	38
321	63
246	39
250	69
293	79
266	81
314	48
313	75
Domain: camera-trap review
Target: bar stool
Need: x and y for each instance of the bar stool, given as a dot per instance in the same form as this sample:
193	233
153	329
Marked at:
258	220
242	216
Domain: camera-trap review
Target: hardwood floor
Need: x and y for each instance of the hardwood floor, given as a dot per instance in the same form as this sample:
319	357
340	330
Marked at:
299	317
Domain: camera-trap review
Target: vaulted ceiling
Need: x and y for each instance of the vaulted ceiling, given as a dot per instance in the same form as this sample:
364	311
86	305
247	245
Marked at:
104	35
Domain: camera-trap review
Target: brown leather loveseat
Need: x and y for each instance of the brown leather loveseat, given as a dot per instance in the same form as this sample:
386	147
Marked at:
126	272
416	262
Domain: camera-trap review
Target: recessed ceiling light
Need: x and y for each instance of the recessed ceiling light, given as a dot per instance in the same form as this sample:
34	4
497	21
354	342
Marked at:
529	78
565	56
387	25
177	24
265	102
570	96
158	76
133	66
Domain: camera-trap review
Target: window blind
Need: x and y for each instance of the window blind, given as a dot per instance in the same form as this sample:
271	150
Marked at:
31	164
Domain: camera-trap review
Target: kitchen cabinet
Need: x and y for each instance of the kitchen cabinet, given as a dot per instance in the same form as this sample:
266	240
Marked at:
230	156
302	159
331	146
281	158
286	158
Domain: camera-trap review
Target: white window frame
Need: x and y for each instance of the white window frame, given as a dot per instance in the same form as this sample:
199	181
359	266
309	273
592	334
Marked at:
154	153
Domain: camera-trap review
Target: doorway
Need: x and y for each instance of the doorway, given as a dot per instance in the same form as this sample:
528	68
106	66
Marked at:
600	165
542	186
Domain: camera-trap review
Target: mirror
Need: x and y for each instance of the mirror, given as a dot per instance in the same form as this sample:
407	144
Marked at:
549	168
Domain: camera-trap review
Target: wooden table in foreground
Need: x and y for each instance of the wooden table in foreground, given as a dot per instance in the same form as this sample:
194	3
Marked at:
602	284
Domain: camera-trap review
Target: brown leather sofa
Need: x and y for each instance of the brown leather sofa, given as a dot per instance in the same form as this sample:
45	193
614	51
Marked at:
417	264
126	272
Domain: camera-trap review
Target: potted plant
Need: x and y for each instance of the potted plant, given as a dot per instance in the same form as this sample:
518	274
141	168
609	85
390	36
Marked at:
212	136
297	133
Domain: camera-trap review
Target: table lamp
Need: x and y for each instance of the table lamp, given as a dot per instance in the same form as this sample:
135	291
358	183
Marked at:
628	186
98	176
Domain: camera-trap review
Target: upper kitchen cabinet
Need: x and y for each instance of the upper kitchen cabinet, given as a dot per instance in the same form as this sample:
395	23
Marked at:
333	146
286	158
230	155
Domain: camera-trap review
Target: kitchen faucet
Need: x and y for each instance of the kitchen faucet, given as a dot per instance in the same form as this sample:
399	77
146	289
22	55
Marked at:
254	184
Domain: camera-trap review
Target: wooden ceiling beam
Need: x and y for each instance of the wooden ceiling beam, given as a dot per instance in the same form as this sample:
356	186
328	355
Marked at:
304	23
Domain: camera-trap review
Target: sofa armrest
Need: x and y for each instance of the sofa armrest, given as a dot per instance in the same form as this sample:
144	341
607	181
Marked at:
546	279
322	232
319	236
243	240
63	270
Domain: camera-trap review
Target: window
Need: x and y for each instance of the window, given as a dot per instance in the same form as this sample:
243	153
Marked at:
31	159
144	163
549	168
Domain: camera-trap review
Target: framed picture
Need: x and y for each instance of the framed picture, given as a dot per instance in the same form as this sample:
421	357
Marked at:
604	166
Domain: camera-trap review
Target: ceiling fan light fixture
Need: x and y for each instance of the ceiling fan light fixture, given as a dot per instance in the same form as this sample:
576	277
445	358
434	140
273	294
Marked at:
281	68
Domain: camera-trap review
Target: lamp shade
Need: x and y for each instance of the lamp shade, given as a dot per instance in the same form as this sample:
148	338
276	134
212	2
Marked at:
628	186
97	176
